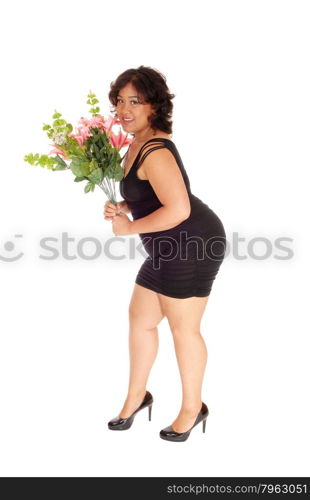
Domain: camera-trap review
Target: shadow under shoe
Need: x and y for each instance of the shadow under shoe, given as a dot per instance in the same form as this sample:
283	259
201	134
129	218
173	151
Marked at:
169	434
122	424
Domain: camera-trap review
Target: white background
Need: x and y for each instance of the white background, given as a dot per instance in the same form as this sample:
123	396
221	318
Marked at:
240	72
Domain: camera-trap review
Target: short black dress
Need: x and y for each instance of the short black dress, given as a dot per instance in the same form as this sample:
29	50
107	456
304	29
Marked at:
182	261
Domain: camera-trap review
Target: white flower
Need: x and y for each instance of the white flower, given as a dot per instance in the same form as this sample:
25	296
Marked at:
59	138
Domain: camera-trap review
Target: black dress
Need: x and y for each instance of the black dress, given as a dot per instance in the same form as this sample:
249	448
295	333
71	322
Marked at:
182	261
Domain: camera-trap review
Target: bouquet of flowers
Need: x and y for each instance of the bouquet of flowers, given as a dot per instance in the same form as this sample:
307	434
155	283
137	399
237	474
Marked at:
92	152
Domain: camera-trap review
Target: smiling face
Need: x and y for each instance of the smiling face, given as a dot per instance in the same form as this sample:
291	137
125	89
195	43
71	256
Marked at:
131	106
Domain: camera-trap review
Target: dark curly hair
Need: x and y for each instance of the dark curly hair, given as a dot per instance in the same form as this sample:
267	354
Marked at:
151	86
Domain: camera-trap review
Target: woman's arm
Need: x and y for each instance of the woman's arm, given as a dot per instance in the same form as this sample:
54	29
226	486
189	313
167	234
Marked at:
165	177
159	220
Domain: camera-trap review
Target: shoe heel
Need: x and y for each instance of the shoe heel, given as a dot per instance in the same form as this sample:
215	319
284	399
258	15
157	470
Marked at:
204	425
150	412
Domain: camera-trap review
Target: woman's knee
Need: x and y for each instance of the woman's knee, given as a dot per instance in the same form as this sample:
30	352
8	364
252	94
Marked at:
184	331
143	319
144	308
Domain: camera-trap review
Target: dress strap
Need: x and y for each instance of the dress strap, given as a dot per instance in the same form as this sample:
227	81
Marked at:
153	148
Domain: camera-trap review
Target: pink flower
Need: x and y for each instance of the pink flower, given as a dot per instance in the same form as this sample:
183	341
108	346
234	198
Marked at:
97	121
84	129
84	122
108	124
83	132
119	141
58	151
79	139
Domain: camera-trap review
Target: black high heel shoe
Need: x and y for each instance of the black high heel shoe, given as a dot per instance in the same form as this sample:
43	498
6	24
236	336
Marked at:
169	434
121	424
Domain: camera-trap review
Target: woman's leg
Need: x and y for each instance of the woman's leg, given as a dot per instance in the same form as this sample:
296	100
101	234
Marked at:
184	317
144	315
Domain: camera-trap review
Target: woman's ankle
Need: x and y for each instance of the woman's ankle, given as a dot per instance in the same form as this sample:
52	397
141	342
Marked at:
136	394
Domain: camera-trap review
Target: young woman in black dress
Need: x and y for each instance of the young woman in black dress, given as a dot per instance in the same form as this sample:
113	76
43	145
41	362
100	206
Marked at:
185	242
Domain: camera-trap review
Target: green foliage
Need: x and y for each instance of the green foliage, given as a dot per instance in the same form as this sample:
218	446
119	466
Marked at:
79	179
89	187
114	171
94	111
93	165
60	163
92	100
42	160
80	167
96	176
74	149
59	130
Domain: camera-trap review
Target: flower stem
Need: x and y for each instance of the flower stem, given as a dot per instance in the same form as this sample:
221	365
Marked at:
107	190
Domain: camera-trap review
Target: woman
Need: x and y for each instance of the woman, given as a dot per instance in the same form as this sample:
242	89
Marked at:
185	241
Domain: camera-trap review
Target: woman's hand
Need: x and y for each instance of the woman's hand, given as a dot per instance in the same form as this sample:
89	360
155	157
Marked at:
110	210
124	207
121	224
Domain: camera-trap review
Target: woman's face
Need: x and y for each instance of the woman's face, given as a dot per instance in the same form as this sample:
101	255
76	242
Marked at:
130	106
